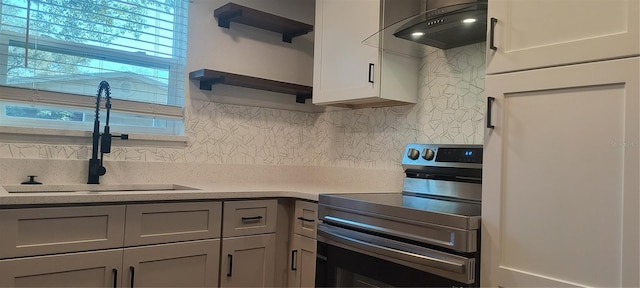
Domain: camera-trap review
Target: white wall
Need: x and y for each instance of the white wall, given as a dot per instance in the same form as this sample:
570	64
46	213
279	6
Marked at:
248	50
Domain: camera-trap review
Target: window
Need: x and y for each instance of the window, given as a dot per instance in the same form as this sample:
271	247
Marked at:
54	53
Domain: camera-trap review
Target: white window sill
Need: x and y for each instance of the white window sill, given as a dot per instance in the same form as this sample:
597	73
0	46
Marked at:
74	137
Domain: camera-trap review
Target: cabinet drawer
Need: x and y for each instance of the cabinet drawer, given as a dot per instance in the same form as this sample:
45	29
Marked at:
305	218
170	222
39	231
249	217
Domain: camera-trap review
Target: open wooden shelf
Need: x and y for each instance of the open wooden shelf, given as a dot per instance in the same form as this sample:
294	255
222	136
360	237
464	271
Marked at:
208	78
289	29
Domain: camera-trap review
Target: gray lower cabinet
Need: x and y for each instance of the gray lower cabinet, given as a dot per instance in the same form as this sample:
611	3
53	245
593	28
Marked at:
248	261
165	245
186	264
249	243
303	262
157	245
86	269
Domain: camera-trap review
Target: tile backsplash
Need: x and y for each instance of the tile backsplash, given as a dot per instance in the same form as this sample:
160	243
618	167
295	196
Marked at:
450	109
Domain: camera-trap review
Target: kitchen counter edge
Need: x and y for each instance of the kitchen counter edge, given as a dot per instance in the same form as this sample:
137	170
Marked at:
202	193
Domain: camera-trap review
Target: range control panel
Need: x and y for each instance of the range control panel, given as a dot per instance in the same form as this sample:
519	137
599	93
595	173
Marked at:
444	155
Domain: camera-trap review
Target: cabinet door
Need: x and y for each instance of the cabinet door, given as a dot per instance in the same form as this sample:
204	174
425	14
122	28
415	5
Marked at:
344	68
544	33
87	269
560	184
248	261
302	265
186	264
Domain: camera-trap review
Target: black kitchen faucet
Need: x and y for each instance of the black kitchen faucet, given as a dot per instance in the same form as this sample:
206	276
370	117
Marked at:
96	169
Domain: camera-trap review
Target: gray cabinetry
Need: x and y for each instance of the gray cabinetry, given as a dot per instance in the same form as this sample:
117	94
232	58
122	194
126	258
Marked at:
85	269
169	244
249	243
248	261
262	243
302	262
170	222
184	264
41	231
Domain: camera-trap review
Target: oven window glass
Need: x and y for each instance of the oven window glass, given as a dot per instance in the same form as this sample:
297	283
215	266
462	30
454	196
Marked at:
346	278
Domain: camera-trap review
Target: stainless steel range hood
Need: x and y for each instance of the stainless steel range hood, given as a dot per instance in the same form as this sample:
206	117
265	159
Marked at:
444	24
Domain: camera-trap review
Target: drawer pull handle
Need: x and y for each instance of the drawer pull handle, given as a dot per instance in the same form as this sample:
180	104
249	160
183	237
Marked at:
306	219
115	277
132	271
492	34
490	101
230	268
371	75
251	219
294	265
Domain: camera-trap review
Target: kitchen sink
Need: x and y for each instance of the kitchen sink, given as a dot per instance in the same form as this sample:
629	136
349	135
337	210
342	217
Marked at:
94	188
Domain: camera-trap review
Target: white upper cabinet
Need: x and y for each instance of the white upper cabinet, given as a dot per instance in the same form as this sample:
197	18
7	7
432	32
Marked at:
350	73
531	34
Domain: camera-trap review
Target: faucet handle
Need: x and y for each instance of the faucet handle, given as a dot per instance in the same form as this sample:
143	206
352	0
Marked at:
105	145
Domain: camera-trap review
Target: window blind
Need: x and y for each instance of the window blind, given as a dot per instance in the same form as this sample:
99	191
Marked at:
54	53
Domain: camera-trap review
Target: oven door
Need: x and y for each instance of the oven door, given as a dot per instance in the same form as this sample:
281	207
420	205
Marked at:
348	258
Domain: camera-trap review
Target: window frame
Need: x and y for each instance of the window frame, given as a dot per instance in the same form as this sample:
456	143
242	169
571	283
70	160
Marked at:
175	66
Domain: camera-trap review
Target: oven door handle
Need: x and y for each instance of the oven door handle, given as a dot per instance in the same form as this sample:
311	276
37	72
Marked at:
377	229
367	245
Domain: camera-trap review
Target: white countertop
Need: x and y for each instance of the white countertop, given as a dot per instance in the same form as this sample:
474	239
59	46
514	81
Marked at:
135	181
201	192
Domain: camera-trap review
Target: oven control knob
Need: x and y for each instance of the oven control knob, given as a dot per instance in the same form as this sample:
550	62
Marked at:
413	154
428	154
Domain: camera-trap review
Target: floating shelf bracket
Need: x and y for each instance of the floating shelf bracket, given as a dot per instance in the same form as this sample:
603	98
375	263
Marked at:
208	83
224	20
302	97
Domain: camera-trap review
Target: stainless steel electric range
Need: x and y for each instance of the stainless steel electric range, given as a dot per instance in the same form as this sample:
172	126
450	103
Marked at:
426	236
